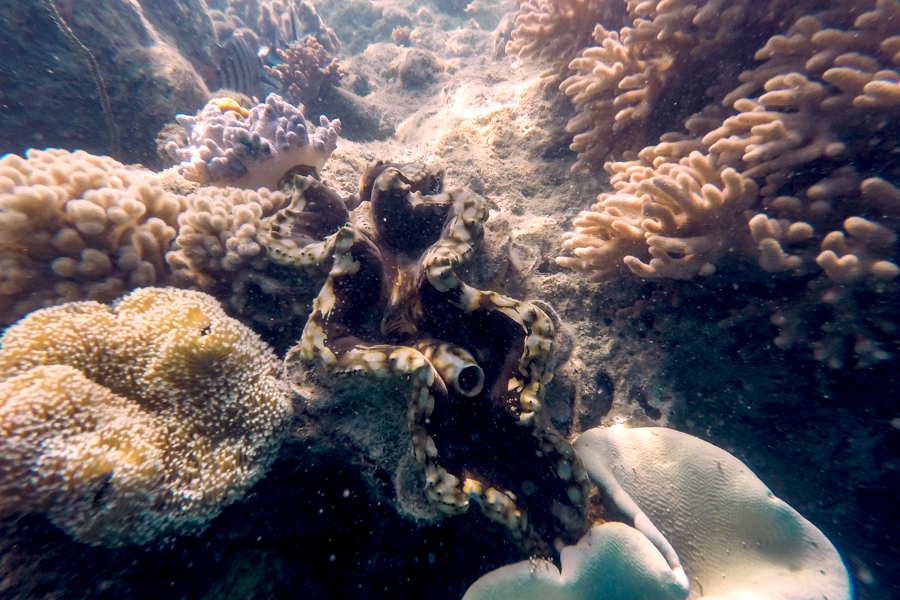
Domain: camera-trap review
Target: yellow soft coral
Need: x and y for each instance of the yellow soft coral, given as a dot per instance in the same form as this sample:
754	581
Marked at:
230	105
131	423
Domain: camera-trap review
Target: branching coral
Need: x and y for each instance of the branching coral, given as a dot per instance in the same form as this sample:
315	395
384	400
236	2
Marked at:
307	68
679	218
217	250
394	308
224	148
557	30
814	128
131	423
75	226
646	66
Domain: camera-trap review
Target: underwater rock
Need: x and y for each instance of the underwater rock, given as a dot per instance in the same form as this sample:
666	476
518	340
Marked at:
120	69
418	68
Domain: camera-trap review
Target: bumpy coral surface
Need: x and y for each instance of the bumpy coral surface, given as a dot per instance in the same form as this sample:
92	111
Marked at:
472	365
129	423
799	178
307	67
217	251
225	148
74	226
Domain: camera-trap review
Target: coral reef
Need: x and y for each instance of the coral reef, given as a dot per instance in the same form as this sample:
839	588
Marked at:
735	538
74	226
634	70
240	70
130	423
557	30
799	179
307	67
227	149
394	307
218	251
682	214
310	76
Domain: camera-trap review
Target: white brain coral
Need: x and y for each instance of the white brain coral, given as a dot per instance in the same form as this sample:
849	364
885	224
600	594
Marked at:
130	423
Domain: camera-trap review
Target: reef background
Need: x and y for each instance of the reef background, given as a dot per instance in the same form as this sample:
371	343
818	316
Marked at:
647	352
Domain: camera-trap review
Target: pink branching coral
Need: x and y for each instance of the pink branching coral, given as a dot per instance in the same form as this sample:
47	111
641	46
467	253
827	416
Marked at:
308	69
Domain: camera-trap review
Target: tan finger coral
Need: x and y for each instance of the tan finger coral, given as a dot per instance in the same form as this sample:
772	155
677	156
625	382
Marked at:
75	226
557	30
674	221
813	126
644	69
218	252
130	423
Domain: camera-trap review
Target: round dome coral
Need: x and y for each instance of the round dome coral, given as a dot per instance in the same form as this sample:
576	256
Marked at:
129	423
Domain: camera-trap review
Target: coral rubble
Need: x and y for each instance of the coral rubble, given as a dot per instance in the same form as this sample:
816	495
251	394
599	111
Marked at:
142	420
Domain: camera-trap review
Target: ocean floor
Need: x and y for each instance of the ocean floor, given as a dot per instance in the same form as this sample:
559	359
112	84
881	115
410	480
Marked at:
324	524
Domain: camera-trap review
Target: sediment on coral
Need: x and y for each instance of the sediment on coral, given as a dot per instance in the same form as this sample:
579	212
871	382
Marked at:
74	226
812	129
130	423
